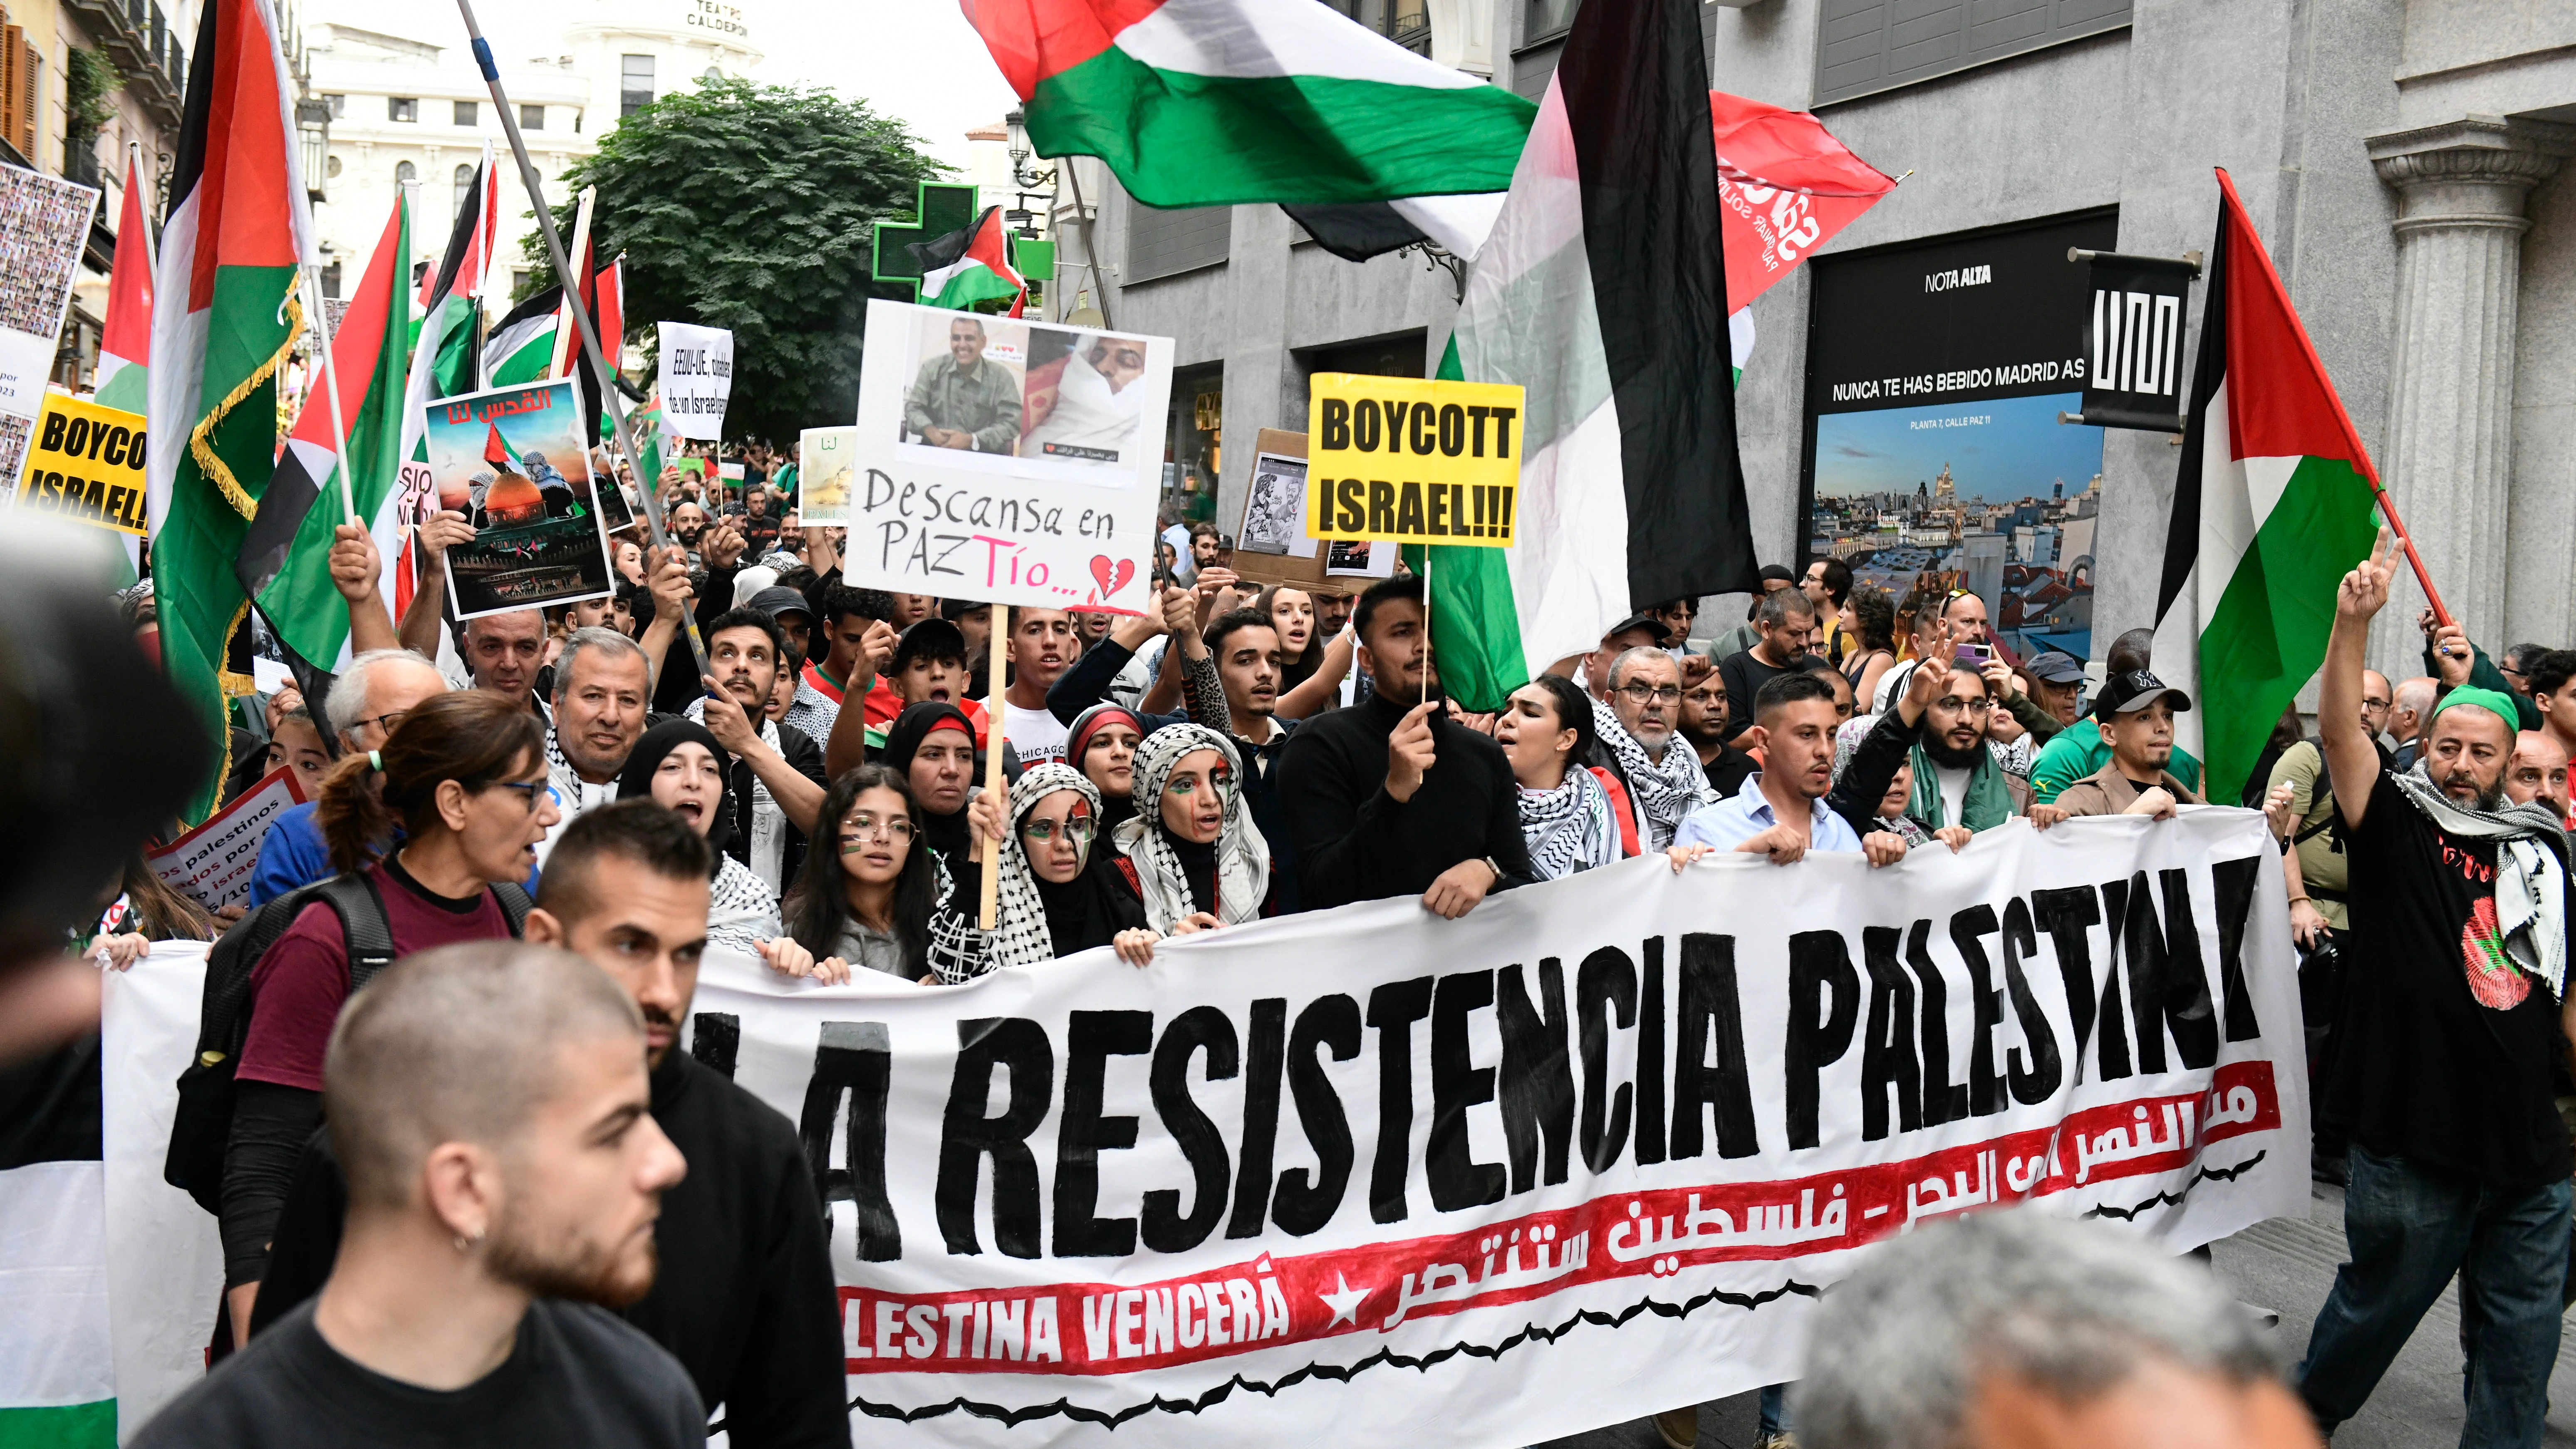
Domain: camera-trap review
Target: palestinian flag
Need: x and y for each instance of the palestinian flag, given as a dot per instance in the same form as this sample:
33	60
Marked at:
969	265
567	342
522	345
224	318
1603	292
2273	503
125	343
1211	102
58	1383
285	562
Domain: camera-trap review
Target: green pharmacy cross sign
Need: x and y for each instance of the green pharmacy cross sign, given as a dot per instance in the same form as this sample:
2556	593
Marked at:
943	208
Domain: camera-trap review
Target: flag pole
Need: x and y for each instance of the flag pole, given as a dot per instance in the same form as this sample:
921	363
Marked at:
319	322
608	399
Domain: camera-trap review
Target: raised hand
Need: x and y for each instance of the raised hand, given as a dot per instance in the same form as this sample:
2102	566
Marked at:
445	530
2364	591
355	565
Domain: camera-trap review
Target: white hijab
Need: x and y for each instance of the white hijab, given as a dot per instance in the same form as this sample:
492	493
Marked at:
1242	856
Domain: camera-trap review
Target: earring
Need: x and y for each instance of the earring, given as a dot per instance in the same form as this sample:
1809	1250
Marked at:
468	1242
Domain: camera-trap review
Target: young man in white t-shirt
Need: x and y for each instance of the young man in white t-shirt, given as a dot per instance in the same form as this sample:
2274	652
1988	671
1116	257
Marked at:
1042	646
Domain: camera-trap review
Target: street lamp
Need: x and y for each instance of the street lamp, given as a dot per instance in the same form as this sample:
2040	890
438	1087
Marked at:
313	138
1028	178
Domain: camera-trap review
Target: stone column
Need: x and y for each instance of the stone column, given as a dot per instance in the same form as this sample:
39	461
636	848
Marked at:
2448	452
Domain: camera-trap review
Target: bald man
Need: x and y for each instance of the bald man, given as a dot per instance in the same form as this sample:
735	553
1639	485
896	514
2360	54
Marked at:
505	651
2537	770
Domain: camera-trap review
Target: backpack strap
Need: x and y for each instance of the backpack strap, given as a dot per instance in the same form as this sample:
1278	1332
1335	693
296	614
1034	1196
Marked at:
515	904
366	934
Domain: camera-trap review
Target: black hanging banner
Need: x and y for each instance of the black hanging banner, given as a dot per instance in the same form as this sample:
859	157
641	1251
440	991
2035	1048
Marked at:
2133	340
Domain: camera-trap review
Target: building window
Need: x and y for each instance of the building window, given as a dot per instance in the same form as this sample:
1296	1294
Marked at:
1408	23
465	113
1547	19
634	84
464	187
532	118
402	108
1867	46
339	106
331	169
331	281
405	173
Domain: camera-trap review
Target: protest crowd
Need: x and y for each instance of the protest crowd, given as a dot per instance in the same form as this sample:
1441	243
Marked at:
478	1175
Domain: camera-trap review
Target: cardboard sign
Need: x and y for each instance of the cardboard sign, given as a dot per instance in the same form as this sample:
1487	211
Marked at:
824	474
697	379
1413	461
1008	460
512	461
85	465
212	864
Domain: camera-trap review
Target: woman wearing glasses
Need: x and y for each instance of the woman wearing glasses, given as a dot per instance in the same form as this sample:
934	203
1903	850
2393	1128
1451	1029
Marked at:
1059	890
1191	857
868	900
437	821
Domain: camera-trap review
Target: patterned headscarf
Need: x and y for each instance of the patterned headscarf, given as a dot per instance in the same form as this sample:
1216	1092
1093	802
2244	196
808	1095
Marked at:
1242	856
1020	920
1569	828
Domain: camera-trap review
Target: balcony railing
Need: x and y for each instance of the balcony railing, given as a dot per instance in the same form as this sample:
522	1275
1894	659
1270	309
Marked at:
137	36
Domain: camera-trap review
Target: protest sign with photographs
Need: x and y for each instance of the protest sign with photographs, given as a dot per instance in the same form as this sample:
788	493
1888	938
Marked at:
697	379
824	473
85	466
1006	460
511	460
44	221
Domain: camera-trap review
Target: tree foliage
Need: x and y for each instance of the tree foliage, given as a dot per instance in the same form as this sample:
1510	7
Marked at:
749	207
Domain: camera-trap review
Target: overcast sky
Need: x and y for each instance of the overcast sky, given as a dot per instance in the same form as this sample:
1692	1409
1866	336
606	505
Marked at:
915	60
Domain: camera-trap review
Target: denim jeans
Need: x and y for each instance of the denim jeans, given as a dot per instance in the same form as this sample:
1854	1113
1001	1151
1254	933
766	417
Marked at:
2409	1229
1775	1412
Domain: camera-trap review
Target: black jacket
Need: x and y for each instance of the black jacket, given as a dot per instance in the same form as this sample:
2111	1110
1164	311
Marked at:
1354	842
804	755
744	1298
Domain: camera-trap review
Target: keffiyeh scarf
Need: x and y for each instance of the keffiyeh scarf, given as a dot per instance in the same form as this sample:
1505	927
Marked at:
573	794
1022	936
1242	856
1569	828
1665	793
2531	873
1988	802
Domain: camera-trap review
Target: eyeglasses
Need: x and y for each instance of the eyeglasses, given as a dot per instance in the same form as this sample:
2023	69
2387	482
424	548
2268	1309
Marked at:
385	722
1077	828
529	789
2368	703
858	830
1642	693
1971	706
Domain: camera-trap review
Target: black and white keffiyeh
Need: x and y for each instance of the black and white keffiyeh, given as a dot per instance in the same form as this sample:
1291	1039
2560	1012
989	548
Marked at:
1570	828
742	910
1665	793
2531	873
1022	936
1242	856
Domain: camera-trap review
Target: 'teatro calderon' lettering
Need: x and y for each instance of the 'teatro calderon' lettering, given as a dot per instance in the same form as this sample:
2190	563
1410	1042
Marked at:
1103	1134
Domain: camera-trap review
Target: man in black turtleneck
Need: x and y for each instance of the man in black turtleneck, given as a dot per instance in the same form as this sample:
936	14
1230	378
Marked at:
744	1295
1390	796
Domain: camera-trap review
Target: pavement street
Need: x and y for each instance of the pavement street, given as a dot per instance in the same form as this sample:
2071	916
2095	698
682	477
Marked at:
2285	1266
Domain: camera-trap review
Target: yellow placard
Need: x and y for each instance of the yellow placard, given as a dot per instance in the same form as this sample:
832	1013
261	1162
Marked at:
1414	461
85	465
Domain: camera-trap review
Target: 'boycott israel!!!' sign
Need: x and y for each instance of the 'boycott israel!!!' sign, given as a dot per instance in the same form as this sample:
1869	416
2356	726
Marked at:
1417	462
1595	1149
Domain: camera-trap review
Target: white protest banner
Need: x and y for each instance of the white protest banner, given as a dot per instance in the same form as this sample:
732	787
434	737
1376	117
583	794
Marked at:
1003	460
212	864
697	379
1371	1177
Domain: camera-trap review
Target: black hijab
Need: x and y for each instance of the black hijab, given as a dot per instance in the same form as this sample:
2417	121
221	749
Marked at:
1114	809
635	782
950	835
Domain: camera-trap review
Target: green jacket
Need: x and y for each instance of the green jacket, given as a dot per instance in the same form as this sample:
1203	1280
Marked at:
984	401
2483	675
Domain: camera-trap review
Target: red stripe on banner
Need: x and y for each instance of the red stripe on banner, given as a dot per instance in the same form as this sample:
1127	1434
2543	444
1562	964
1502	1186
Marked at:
1107	1328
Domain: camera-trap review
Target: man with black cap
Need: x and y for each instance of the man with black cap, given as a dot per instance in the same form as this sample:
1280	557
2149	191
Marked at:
2136	718
1637	631
2077	752
811	710
1786	622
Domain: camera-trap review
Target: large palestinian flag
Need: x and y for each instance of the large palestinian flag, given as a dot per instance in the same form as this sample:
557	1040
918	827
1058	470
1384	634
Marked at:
1603	292
1211	102
224	317
2273	504
285	561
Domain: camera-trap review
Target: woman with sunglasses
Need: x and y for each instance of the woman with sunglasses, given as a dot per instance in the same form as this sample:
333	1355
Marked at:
1192	856
452	806
1059	893
868	900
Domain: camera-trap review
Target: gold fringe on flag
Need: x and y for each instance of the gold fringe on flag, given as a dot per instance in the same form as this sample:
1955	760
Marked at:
291	312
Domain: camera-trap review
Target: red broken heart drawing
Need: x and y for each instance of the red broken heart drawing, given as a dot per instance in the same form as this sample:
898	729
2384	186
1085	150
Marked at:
1112	579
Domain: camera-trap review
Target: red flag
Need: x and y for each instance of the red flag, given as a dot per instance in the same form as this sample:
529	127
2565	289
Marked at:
127	337
608	309
1785	187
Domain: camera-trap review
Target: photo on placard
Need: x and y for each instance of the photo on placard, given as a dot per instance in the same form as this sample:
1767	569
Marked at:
826	465
1359	558
1274	511
1071	402
44	223
511	460
616	514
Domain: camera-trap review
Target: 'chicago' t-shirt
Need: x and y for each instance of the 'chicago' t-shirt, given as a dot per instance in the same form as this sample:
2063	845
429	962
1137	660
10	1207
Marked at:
2448	1050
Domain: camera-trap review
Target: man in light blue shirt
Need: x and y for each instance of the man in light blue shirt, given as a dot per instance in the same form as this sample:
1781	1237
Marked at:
1781	812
